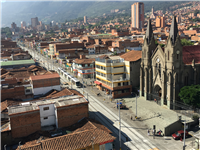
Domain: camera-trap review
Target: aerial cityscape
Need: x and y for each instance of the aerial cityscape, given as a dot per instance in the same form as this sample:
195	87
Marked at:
99	75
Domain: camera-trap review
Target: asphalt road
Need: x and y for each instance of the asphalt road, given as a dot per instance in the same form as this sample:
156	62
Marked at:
100	111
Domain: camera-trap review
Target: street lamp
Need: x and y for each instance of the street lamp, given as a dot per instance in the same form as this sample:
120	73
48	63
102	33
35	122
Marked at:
184	137
119	125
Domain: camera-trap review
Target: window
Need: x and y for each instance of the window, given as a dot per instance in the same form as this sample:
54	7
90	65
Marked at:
119	74
45	118
118	67
125	83
46	108
28	91
168	55
119	84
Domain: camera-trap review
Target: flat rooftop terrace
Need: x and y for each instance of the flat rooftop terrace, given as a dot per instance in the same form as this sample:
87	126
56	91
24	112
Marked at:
58	102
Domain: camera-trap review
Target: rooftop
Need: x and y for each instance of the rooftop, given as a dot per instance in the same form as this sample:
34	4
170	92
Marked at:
17	62
46	76
33	105
132	55
84	131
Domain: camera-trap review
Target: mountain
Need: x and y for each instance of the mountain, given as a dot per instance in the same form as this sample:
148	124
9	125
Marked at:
60	11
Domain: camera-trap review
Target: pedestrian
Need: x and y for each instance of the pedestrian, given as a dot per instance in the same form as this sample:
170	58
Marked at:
131	118
148	132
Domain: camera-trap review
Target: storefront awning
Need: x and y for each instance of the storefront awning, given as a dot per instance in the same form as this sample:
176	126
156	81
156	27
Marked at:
97	82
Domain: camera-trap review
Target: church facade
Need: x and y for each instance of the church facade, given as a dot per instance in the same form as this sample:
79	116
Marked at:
164	71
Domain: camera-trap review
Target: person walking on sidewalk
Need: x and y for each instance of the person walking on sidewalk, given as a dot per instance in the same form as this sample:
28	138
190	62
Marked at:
148	132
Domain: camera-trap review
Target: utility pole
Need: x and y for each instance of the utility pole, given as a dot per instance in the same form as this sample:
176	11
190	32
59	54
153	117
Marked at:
87	96
136	106
83	85
119	125
184	137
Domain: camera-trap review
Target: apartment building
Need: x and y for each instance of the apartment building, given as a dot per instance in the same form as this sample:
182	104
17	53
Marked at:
112	76
29	117
83	67
137	15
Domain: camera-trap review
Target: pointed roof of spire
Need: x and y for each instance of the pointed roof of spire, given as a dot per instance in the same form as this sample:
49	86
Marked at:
149	31
173	30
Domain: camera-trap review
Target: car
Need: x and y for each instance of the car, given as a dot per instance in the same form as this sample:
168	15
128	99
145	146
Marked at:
179	135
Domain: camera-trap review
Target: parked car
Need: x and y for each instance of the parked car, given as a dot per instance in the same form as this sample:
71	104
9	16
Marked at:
179	135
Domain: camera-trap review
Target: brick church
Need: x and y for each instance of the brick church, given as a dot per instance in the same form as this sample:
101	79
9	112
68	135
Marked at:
164	71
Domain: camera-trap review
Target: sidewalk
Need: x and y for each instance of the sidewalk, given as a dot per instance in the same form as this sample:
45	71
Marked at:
149	113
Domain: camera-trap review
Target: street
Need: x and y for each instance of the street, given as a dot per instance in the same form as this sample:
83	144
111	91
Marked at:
134	132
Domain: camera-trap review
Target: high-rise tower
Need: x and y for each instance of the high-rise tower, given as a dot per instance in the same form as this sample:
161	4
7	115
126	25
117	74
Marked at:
137	15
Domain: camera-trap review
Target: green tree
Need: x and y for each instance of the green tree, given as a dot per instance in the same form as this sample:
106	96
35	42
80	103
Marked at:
190	95
82	27
185	42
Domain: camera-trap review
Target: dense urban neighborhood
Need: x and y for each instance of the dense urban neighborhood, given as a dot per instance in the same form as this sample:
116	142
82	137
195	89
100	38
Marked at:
112	82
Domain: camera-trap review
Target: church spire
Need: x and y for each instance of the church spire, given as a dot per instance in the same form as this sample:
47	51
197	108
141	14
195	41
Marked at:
173	30
149	32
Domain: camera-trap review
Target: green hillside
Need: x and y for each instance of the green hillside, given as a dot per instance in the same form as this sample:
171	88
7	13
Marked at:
60	11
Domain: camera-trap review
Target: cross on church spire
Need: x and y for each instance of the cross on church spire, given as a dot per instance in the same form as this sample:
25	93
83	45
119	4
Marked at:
149	32
173	30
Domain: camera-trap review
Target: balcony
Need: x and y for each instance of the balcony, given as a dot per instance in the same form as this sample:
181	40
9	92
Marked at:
118	80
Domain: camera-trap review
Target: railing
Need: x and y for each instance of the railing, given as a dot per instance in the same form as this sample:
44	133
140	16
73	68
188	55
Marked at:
109	60
122	79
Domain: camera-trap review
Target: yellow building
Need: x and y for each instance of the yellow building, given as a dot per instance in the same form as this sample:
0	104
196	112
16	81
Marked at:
112	76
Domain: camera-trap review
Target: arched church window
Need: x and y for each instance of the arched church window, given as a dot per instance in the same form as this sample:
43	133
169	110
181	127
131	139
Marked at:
168	56
177	54
144	53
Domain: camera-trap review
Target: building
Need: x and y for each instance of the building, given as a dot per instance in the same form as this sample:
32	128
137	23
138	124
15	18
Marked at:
160	21
13	26
137	15
112	76
23	24
153	15
132	60
86	134
34	22
17	64
41	84
84	67
29	117
85	19
164	71
13	88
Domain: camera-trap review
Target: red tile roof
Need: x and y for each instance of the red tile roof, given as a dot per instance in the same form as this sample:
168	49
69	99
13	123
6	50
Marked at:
79	139
132	55
84	61
190	53
47	76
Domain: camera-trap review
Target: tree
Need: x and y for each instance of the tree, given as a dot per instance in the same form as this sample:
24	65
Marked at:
190	95
185	42
82	27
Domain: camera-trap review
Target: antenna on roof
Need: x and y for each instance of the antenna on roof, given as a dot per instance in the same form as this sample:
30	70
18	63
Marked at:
19	145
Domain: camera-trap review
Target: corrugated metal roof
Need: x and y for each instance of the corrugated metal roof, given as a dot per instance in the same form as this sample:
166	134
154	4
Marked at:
17	62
